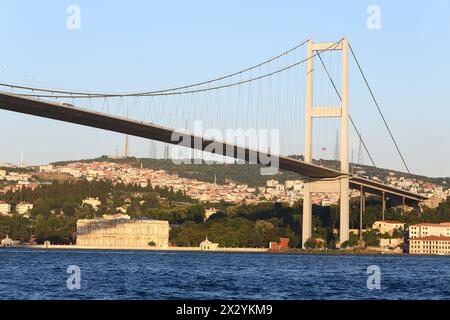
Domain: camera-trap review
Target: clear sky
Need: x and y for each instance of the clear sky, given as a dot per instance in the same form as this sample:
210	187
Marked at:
135	45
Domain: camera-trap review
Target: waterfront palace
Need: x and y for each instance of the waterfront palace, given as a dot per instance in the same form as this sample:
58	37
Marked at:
121	231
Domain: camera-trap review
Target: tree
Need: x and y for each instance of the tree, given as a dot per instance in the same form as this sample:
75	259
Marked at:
351	242
372	237
263	226
310	243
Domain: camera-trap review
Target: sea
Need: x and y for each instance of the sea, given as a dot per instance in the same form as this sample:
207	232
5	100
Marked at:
35	274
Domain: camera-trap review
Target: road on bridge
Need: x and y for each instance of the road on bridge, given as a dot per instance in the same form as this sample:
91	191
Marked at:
72	114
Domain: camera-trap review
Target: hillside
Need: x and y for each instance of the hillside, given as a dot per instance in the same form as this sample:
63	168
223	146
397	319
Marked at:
244	173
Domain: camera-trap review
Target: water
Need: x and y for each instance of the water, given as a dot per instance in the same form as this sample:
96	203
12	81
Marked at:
42	274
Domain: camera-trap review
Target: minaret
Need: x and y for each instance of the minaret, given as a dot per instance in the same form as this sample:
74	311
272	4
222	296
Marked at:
336	147
126	147
360	151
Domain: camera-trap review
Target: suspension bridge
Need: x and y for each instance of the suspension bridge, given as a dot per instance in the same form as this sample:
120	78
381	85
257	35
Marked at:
265	95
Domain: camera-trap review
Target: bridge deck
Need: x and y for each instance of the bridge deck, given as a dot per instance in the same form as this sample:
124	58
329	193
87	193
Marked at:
151	131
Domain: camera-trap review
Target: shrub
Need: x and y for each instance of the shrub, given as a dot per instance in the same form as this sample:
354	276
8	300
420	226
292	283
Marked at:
310	243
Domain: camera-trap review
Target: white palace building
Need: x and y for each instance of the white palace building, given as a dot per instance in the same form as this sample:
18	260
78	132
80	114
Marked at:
120	231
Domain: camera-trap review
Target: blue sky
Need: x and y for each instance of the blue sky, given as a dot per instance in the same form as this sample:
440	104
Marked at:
135	45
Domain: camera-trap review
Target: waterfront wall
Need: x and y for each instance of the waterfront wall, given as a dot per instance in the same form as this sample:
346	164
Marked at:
148	248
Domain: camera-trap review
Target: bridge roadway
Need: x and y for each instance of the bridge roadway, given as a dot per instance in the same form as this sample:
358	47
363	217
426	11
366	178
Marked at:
72	114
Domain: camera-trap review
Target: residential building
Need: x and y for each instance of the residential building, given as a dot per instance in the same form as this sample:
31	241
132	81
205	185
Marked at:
432	245
94	202
433	202
24	207
421	230
46	168
5	208
391	242
388	226
272	183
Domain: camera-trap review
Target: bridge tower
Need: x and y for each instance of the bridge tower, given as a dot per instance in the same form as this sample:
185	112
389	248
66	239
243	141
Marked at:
341	184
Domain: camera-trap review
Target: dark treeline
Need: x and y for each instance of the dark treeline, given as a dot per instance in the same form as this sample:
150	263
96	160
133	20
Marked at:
243	226
256	225
57	207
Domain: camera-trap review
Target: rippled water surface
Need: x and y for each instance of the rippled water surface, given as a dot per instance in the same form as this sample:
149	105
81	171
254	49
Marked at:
42	274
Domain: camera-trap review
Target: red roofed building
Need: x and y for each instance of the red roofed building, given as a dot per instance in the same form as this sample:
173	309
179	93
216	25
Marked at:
430	245
421	230
388	226
277	246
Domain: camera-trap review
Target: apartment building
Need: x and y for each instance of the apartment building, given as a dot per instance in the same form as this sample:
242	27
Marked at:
5	208
421	230
430	245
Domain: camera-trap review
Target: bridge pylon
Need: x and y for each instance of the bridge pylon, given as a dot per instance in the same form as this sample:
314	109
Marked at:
341	184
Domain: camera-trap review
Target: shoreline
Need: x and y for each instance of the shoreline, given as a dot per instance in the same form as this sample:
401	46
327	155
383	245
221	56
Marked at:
174	249
224	250
291	251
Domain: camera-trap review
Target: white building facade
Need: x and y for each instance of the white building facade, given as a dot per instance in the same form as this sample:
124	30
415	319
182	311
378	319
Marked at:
5	208
388	226
430	245
122	233
429	229
23	208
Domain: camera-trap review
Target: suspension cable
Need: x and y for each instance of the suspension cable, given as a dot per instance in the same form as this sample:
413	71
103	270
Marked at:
80	93
187	91
349	116
379	110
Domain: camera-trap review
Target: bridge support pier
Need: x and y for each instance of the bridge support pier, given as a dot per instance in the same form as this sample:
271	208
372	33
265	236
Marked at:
307	214
344	216
362	209
341	184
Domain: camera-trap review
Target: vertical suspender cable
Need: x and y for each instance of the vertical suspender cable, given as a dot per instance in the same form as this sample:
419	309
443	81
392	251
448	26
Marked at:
379	109
351	120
